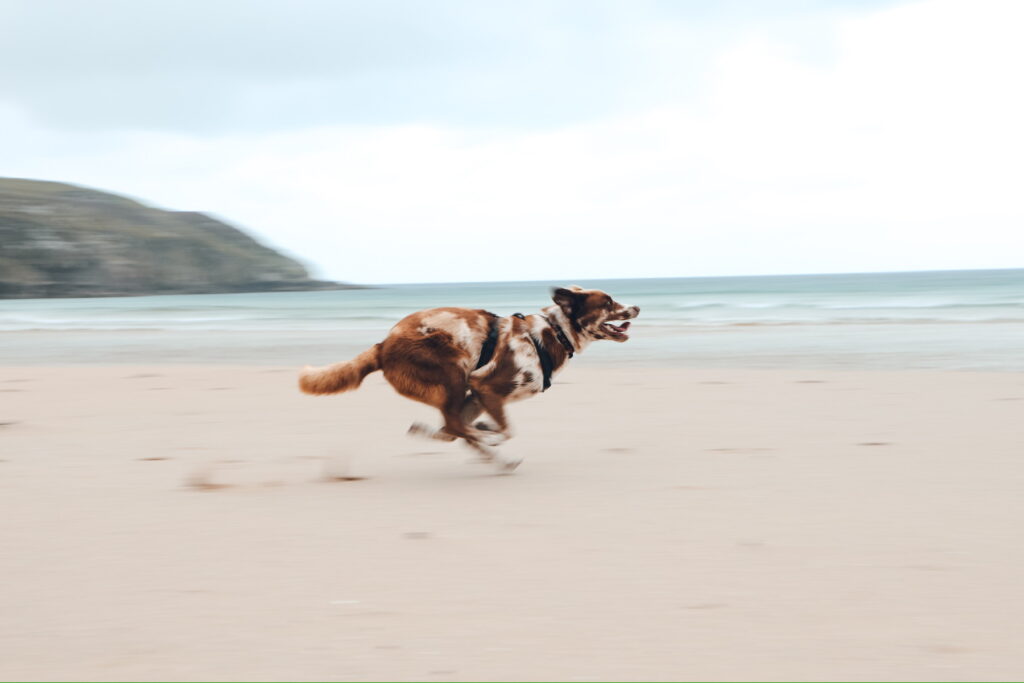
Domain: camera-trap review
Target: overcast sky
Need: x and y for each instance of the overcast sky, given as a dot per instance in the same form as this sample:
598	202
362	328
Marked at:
384	141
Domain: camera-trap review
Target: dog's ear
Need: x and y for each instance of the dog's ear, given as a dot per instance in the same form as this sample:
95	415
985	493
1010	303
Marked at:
568	300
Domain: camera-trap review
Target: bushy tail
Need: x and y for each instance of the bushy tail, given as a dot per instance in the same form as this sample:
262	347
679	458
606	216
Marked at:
340	377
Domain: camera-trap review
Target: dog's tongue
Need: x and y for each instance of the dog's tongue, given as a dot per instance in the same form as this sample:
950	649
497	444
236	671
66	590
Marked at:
620	328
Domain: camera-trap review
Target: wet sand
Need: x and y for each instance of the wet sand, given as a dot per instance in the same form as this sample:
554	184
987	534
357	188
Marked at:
212	523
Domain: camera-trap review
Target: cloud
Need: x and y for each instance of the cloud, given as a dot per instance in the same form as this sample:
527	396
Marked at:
894	145
209	68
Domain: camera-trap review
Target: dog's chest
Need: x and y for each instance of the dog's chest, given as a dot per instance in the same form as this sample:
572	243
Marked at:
527	389
528	378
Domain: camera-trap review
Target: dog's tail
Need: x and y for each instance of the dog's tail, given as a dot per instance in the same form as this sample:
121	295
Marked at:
340	377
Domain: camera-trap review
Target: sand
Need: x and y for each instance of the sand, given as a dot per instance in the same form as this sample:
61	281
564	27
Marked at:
211	523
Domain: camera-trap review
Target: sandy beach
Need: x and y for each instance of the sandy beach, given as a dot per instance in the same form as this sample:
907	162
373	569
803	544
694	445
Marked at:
170	522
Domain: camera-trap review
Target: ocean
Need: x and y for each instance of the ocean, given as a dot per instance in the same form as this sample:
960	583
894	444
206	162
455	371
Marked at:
966	320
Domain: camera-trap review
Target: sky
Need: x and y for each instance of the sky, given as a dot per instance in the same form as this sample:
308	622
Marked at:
391	141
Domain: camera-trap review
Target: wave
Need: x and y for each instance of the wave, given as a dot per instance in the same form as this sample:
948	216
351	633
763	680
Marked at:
744	302
186	323
662	324
861	306
855	322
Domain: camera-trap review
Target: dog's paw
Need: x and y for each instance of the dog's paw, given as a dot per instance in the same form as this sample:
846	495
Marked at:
507	465
483	453
420	429
492	438
428	432
485	426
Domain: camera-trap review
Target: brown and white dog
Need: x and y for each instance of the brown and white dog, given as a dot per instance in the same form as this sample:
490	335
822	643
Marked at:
465	362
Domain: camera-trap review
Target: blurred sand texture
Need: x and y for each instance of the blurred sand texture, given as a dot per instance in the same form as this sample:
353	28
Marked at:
212	523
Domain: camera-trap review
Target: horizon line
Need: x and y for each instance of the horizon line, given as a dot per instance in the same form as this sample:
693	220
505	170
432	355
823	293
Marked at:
685	277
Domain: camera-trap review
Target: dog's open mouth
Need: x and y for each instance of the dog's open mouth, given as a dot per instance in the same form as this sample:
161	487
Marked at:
617	332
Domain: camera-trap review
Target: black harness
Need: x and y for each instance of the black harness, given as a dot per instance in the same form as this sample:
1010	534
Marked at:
487	350
547	364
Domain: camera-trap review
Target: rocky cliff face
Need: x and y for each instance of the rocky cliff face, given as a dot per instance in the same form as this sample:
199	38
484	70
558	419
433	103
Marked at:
59	240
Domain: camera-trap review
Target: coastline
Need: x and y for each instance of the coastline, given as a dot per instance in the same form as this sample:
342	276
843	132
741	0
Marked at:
210	522
65	291
982	347
966	320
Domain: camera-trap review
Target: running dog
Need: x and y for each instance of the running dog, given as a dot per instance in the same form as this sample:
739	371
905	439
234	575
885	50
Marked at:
465	362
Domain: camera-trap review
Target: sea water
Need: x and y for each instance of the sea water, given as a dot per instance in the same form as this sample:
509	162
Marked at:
942	320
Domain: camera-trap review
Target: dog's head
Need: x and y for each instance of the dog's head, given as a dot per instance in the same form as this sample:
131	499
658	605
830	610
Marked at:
594	313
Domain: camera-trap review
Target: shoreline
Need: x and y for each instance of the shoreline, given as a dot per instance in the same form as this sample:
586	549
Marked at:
960	347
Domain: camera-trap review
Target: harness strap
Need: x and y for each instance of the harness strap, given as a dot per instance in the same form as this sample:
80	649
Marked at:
487	350
546	363
560	336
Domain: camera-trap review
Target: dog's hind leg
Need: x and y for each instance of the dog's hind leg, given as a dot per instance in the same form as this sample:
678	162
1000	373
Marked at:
457	418
494	405
454	412
470	410
457	424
